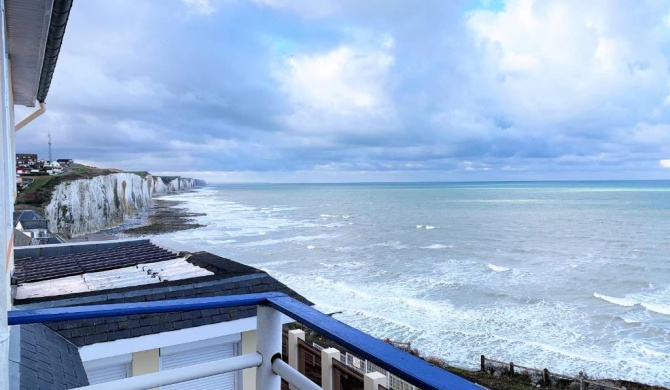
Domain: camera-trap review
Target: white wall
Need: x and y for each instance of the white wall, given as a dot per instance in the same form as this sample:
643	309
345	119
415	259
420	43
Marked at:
7	191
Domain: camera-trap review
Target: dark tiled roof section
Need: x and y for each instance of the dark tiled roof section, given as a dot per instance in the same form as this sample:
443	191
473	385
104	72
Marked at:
92	331
223	269
34	269
26	215
48	361
220	265
34	224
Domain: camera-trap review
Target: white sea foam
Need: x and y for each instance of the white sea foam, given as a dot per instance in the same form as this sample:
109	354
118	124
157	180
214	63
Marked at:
652	352
641	299
328	216
311	247
276	241
346	264
627	302
437	246
392	244
657	307
429	227
497	268
219	242
283	208
419	226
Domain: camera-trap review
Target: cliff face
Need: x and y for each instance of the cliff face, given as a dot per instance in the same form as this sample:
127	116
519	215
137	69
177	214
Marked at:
161	185
88	205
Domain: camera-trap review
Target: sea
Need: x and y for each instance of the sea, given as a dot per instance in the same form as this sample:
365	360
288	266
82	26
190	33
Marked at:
569	276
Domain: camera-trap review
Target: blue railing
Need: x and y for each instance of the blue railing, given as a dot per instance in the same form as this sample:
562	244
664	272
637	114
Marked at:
401	364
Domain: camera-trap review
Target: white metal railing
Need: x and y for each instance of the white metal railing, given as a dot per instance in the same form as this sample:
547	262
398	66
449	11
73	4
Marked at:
269	370
177	375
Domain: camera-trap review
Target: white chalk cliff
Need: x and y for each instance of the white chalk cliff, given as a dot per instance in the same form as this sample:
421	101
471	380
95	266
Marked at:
88	205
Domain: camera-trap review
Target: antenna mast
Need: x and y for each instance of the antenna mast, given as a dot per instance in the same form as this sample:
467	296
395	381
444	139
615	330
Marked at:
50	157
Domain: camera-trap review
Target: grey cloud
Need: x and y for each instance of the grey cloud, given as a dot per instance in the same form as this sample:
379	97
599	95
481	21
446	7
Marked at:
174	90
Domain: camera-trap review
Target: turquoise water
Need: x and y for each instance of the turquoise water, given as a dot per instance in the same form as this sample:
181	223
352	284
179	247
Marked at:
572	276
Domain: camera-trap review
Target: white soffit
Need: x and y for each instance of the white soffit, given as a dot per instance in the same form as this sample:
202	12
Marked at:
142	274
27	31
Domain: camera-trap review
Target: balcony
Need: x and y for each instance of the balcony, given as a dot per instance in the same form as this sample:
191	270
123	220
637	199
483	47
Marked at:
270	369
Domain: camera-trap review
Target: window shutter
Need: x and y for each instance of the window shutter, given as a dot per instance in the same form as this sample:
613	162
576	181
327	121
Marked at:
198	355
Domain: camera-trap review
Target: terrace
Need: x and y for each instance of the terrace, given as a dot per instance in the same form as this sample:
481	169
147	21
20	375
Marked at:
269	367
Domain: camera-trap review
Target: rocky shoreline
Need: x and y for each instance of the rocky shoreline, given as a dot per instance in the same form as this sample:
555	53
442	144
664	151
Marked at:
165	217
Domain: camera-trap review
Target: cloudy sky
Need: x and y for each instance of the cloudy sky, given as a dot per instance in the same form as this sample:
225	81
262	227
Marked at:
374	90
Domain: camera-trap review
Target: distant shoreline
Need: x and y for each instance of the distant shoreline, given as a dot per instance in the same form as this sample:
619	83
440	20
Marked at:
164	216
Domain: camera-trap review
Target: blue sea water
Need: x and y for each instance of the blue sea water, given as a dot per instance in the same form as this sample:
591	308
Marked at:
571	276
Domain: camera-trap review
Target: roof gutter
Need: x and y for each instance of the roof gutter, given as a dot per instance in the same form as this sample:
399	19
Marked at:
59	16
31	117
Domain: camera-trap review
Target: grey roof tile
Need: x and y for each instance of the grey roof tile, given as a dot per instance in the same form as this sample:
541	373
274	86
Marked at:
48	360
33	269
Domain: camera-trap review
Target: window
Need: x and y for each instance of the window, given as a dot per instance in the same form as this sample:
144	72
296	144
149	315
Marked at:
200	352
108	369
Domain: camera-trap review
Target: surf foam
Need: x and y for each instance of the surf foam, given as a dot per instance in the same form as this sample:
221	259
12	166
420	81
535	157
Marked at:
497	268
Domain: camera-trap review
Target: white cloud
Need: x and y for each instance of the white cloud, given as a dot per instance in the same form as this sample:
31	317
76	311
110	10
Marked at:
199	7
553	63
306	8
665	163
338	89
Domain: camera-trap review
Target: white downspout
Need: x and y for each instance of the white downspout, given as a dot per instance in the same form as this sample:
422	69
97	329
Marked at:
33	115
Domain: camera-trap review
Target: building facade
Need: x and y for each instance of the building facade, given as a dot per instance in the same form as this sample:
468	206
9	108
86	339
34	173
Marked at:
26	159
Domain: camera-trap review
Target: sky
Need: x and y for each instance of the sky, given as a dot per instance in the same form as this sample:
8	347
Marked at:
356	91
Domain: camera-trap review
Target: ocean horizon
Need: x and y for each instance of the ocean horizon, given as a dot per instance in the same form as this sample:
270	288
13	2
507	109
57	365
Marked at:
568	275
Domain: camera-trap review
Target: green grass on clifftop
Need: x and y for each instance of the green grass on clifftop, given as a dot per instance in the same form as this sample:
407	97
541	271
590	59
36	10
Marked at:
38	194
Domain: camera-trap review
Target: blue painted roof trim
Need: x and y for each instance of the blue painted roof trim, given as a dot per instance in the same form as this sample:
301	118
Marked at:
402	364
29	316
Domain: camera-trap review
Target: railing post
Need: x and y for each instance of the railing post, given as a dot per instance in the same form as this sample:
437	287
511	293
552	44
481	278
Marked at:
293	336
269	345
372	380
327	356
292	348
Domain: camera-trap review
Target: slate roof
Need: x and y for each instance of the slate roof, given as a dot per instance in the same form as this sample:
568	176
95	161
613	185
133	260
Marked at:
26	215
229	278
34	224
46	361
92	331
33	269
